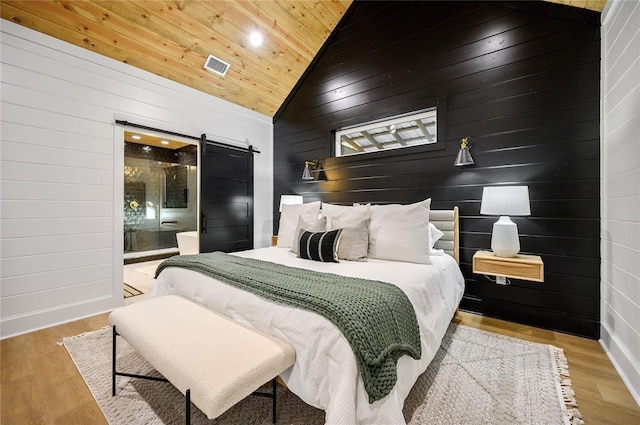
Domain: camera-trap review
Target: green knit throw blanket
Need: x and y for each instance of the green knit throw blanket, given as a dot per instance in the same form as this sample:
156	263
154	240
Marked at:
376	318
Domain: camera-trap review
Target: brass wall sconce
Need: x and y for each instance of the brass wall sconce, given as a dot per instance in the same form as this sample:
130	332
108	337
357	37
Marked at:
308	166
464	156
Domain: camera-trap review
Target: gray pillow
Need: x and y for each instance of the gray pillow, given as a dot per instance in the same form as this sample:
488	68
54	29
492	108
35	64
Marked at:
354	242
313	226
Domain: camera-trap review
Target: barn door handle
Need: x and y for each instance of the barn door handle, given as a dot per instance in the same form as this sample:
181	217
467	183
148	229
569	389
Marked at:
203	222
203	144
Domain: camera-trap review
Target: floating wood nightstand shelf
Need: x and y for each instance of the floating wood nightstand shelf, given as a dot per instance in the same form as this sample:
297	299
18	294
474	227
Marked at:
527	267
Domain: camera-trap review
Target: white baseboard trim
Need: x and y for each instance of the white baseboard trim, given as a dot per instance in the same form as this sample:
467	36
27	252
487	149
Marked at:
621	360
34	321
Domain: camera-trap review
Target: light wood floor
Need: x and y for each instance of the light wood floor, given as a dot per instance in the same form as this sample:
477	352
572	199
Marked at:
40	383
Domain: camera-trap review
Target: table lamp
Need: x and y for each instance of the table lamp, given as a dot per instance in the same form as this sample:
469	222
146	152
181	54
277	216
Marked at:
505	201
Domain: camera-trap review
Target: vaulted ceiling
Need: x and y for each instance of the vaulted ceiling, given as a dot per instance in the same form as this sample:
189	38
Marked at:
174	38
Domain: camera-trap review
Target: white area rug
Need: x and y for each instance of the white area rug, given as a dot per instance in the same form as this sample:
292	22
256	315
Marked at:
477	377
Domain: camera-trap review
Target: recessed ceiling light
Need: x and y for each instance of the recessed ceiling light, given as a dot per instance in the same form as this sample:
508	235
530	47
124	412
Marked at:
136	137
164	142
256	39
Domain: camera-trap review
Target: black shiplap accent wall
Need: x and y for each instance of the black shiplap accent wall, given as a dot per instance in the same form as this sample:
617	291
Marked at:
522	79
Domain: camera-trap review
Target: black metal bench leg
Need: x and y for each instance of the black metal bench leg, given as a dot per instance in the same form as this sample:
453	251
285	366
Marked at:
113	364
188	407
275	389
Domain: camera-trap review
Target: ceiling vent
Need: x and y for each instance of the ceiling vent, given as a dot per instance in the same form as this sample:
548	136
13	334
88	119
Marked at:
217	66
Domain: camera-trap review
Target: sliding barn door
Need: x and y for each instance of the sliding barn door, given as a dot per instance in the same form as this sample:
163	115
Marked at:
226	199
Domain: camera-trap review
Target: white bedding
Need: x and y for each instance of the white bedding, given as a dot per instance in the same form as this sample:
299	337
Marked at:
325	374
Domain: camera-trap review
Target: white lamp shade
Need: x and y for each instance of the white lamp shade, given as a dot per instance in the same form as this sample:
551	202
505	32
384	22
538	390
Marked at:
505	200
290	200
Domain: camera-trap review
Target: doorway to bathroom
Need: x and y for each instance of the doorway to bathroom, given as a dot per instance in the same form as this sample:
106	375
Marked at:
160	195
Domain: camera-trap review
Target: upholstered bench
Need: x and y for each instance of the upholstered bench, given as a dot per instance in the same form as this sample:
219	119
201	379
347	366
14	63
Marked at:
214	361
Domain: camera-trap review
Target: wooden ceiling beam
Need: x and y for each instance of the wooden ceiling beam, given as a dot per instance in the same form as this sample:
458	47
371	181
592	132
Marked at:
351	144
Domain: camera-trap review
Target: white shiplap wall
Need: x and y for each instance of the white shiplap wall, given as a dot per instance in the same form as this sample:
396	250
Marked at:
61	159
620	170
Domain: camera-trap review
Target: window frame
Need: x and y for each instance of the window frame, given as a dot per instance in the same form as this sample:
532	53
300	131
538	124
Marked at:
440	107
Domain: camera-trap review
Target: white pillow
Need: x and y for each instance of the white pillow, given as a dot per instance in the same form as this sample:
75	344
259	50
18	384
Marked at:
354	240
344	213
289	220
400	232
434	236
315	226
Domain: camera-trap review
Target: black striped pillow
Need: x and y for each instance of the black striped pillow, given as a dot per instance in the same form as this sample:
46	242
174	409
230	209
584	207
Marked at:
320	246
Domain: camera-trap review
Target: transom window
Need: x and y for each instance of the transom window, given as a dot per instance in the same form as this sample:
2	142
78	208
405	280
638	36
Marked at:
396	132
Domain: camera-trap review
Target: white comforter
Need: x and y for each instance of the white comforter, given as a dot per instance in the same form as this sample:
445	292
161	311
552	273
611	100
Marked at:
325	374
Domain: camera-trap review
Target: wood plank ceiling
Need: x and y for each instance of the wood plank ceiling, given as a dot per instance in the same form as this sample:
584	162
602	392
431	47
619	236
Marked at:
174	38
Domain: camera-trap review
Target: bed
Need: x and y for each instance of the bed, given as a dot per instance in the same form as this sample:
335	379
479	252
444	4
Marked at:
325	374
